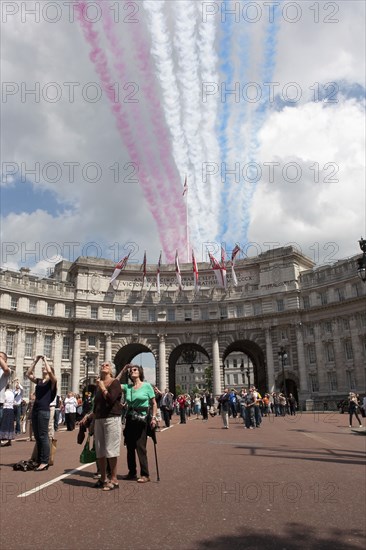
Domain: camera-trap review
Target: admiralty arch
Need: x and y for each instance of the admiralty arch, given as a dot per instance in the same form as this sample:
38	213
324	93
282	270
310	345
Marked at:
303	327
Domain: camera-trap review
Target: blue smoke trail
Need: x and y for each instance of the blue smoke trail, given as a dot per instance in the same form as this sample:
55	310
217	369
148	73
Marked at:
260	113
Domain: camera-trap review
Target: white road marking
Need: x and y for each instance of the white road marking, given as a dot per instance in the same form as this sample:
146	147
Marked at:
55	480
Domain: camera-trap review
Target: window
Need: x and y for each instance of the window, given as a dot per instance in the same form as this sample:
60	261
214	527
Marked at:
135	315
340	294
239	311
118	314
328	327
10	338
310	330
50	309
280	305
47	346
313	382
306	302
329	352
351	381
32	306
345	324
223	312
94	312
235	363
356	290
257	308
29	344
14	303
204	314
92	341
187	315
171	314
348	350
66	347
236	379
26	386
312	354
332	381
152	315
68	311
65	383
323	299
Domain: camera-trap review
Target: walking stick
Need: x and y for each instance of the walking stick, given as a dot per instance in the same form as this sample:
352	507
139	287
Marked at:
152	433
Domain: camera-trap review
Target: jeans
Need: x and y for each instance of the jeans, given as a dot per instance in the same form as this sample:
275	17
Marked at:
249	417
40	421
17	411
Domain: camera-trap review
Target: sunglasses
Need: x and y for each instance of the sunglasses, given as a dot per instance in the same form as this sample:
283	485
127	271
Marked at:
134	368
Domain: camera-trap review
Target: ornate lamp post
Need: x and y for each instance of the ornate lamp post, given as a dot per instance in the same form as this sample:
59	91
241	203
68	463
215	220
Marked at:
361	270
283	356
242	370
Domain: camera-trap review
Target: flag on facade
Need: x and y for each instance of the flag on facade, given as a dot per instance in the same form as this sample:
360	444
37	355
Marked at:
217	268
223	267
158	275
234	253
195	271
185	187
177	271
117	270
144	280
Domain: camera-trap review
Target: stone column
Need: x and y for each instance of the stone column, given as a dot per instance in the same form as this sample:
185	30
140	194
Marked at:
20	353
75	381
320	362
216	364
3	338
162	363
358	360
108	346
301	359
270	362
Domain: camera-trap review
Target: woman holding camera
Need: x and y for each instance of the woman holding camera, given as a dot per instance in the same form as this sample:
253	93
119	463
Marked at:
45	393
107	426
140	399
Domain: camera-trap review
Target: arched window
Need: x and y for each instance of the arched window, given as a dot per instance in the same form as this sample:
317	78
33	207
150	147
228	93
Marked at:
65	383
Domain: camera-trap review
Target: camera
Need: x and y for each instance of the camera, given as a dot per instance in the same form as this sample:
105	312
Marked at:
139	417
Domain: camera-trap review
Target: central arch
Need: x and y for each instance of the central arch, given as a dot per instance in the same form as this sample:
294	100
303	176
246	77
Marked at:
126	354
256	355
174	356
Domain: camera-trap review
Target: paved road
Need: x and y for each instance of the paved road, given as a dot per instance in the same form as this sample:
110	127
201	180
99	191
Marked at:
295	483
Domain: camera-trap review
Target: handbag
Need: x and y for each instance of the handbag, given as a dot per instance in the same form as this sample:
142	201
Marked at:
88	455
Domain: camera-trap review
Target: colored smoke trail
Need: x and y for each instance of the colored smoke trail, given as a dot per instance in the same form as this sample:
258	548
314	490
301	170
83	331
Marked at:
142	138
209	74
173	191
100	62
225	56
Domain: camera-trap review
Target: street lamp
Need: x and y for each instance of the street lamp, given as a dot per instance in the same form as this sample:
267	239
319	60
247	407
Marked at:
361	270
283	356
242	370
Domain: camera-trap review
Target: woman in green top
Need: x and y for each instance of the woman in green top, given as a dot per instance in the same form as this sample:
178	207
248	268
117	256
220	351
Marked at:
140	400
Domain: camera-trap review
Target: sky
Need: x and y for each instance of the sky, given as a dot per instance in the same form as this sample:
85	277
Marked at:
109	106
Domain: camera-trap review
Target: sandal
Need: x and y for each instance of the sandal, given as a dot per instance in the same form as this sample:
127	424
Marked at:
99	484
143	479
110	486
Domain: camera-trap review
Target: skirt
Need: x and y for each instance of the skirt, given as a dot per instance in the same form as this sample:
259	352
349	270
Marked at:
7	425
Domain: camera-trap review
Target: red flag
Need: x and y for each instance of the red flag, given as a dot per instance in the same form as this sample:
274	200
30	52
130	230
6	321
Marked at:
144	271
223	266
217	268
185	187
195	271
158	274
234	253
117	270
177	271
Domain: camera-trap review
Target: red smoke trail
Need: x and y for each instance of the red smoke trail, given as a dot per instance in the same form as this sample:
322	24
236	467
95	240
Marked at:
100	62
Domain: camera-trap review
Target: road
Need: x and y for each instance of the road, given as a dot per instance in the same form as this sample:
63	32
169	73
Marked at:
295	483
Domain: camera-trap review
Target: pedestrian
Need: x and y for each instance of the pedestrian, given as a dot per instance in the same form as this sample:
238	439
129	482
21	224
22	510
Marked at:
71	404
182	403
205	400
353	409
4	379
197	406
107	425
249	403
292	404
166	405
18	396
140	400
224	401
45	393
7	420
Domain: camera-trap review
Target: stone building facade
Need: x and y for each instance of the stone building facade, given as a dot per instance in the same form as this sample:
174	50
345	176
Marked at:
75	318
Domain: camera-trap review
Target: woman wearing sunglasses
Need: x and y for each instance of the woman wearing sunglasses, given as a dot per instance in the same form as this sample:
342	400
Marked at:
140	400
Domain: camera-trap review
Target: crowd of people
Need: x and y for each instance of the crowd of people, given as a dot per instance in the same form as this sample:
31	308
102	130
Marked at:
143	408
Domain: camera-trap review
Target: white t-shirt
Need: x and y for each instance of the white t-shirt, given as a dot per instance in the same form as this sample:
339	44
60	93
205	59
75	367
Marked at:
4	380
8	399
